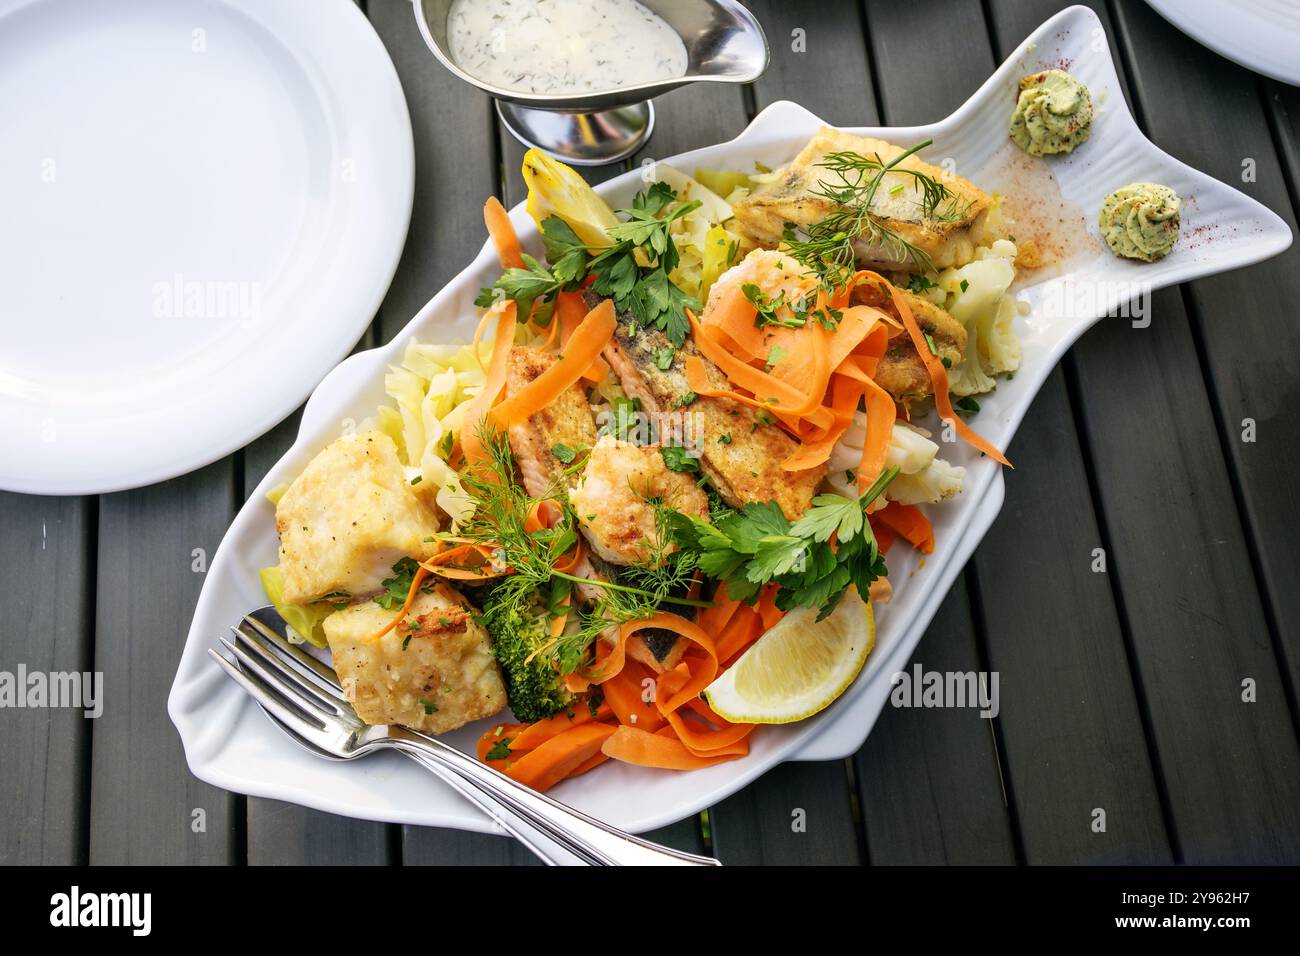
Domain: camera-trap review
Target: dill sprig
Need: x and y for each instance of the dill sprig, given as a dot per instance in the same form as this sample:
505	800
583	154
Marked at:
661	577
499	521
826	246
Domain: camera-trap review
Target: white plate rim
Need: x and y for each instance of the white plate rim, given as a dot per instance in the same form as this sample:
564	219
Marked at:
369	58
1234	31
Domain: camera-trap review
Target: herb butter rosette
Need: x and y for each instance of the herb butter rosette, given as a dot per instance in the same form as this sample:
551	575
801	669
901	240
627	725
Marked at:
1140	221
1053	113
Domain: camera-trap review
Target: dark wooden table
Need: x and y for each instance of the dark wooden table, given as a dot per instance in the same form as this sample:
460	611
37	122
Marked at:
1121	691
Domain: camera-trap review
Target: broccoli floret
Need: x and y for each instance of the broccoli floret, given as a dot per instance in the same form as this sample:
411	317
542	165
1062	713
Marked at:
518	628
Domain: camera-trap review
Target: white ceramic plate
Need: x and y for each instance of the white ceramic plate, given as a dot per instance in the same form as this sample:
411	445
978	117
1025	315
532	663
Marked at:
1261	35
229	743
203	204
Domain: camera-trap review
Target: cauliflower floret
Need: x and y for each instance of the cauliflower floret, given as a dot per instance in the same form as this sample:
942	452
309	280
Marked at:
978	298
923	477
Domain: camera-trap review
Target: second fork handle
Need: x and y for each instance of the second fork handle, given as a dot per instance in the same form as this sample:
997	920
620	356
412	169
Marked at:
585	834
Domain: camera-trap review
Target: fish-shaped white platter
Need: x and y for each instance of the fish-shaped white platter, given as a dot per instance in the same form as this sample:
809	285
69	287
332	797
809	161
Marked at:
229	743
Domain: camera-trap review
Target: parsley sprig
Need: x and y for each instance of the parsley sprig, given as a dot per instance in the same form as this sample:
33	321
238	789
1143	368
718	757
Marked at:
633	270
750	549
500	521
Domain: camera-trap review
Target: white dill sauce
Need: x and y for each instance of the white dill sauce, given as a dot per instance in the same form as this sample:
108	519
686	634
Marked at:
563	46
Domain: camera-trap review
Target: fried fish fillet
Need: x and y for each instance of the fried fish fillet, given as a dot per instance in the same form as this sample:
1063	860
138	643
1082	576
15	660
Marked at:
347	518
948	237
741	455
901	372
566	422
613	495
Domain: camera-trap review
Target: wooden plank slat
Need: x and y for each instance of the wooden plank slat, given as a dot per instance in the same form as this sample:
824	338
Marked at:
1069	717
1284	110
803	38
905	35
144	806
797	814
928	779
1210	113
455	166
1182	569
1057	586
46	588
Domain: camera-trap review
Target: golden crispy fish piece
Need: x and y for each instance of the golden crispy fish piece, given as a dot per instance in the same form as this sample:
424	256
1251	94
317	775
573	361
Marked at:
434	671
949	237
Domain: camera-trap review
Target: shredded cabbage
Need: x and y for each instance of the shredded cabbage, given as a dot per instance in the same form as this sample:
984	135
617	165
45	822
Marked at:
923	477
305	619
986	310
705	246
432	387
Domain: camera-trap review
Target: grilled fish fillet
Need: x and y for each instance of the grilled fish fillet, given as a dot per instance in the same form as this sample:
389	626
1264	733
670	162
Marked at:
949	237
566	421
901	372
741	456
612	500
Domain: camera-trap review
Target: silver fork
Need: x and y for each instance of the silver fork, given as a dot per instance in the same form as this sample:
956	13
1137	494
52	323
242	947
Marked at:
303	698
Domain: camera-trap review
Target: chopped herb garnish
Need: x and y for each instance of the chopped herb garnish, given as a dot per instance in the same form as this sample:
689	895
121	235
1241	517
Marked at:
677	458
398	586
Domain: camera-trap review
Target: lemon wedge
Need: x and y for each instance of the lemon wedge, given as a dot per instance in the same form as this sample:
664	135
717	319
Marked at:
554	189
798	667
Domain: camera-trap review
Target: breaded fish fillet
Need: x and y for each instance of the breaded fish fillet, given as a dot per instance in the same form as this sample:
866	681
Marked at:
949	237
741	456
433	672
347	518
567	421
